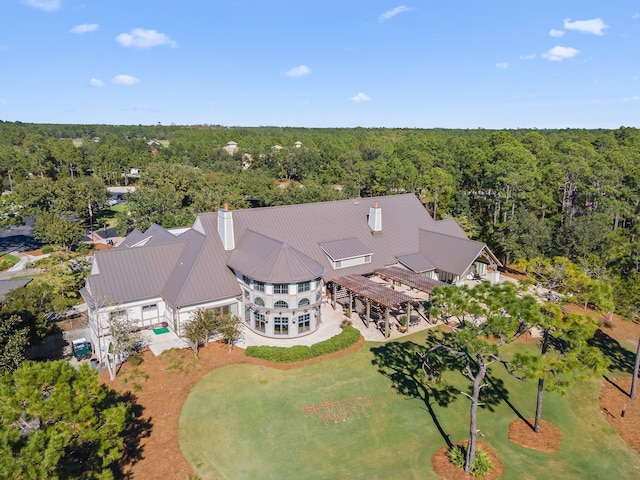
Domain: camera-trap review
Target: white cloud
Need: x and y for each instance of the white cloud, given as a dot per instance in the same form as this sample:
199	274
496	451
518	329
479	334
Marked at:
124	80
636	16
556	33
392	13
502	65
46	5
631	99
96	82
298	71
141	38
558	53
530	56
594	26
361	97
85	28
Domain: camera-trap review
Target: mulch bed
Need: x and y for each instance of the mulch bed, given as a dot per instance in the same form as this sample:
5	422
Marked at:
448	471
620	411
521	433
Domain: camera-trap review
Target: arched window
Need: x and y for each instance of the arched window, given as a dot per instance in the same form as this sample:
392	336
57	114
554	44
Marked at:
259	301
303	302
281	304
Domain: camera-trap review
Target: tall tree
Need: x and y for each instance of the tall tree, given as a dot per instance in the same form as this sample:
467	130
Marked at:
57	421
482	313
564	356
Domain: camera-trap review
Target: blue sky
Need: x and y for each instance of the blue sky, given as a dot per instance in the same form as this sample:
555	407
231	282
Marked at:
425	64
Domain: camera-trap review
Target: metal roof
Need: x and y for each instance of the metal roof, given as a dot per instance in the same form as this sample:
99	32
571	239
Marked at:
385	296
267	260
408	278
416	262
306	227
345	248
449	226
449	254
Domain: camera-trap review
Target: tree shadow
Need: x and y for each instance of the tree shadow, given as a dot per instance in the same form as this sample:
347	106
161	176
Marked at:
401	362
136	429
621	358
498	392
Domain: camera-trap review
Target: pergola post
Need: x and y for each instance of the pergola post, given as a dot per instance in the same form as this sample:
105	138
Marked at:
350	302
386	323
368	311
333	297
408	316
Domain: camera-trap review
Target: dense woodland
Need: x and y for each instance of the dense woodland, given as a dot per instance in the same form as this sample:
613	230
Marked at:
528	194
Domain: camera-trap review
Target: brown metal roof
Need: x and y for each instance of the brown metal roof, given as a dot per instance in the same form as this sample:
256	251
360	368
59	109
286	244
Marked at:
385	296
449	254
306	226
408	278
267	260
345	248
416	262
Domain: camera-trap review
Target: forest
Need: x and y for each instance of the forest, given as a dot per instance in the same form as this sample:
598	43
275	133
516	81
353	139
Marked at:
531	195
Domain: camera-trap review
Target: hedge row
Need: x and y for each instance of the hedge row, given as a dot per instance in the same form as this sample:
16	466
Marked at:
348	337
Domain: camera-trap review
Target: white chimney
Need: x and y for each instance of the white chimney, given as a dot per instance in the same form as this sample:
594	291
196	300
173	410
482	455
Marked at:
225	228
375	218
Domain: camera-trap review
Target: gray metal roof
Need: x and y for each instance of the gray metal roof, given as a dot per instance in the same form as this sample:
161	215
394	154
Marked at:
345	248
268	260
417	262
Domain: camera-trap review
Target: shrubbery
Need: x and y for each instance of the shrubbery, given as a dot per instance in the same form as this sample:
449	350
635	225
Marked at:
348	337
482	464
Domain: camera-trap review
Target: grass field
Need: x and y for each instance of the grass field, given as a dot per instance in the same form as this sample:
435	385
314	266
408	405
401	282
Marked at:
7	260
246	422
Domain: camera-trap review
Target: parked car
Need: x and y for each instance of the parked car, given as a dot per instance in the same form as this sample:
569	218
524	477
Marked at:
82	348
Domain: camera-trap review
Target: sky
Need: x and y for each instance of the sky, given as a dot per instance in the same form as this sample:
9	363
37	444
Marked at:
331	63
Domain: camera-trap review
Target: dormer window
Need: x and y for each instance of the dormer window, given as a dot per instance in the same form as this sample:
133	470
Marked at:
347	252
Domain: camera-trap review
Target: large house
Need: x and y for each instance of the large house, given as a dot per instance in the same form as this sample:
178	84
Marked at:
271	266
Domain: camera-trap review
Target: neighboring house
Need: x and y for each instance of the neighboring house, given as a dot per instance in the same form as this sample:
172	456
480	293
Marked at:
271	266
7	285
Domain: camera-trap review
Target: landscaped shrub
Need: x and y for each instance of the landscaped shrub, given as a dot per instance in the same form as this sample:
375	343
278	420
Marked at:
482	464
46	249
348	337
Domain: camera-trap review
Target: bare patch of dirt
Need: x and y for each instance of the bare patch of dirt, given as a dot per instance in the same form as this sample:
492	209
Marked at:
160	385
620	411
448	471
34	253
521	433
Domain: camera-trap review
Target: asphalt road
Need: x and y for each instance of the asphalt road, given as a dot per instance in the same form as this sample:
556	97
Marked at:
18	239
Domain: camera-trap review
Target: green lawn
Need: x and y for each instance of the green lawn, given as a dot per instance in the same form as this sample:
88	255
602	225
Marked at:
7	260
247	422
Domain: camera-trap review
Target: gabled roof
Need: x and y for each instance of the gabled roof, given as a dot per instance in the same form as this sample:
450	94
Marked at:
7	285
184	270
268	260
448	253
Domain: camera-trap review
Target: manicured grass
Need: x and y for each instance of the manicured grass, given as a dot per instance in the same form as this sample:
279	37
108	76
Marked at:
7	260
245	422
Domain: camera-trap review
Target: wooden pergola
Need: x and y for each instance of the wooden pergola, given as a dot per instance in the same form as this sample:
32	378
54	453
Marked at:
410	279
372	292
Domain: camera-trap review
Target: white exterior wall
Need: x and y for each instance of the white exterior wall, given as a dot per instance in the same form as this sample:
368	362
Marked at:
249	307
